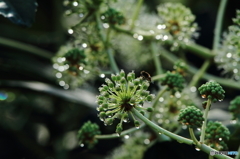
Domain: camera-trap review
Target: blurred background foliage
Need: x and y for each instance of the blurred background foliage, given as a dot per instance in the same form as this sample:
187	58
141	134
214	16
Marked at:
39	119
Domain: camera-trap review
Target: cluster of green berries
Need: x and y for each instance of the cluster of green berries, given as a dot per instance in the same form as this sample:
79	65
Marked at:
75	58
121	94
191	116
174	81
217	135
86	134
234	107
212	90
112	17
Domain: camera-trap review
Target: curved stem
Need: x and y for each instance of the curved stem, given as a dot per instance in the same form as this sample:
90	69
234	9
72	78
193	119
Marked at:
193	136
205	115
115	135
161	130
155	56
25	47
200	73
135	14
218	26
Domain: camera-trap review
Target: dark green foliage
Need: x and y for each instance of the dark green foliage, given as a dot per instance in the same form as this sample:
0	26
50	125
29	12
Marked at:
113	17
234	107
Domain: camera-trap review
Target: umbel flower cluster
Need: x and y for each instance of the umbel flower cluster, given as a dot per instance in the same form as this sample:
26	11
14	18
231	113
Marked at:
216	135
121	94
112	17
191	116
86	134
177	23
228	54
212	90
234	107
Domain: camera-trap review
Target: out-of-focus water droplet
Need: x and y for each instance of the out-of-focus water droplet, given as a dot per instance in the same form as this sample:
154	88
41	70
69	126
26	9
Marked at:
220	100
137	127
197	149
70	31
220	139
160	133
82	145
102	75
233	121
3	96
146	141
193	89
126	136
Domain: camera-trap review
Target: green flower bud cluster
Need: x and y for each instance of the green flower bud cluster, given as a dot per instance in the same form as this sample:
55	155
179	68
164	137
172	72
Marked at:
119	95
75	58
174	81
234	107
217	135
180	67
112	17
177	23
228	53
86	134
212	90
72	66
191	116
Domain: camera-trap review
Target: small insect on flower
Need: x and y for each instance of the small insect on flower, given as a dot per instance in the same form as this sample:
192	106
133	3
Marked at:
145	75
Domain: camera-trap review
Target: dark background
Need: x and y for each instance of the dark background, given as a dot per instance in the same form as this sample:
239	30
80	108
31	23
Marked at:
40	120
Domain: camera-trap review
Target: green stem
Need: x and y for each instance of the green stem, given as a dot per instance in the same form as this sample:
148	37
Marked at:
106	39
115	135
193	136
218	26
205	115
210	157
238	155
180	139
136	13
156	100
155	56
25	47
161	130
200	73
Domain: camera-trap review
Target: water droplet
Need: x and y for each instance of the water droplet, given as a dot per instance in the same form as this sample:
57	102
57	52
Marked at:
118	134
220	139
220	100
197	149
233	121
146	141
160	133
82	145
126	136
137	127
203	96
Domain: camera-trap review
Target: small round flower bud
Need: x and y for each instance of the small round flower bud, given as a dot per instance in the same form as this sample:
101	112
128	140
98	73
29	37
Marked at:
136	123
191	116
119	129
149	109
212	90
122	73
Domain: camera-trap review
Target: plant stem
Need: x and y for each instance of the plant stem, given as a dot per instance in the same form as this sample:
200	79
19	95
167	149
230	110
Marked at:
156	100
26	47
155	56
218	26
205	115
238	155
136	13
106	39
199	74
159	129
193	136
115	135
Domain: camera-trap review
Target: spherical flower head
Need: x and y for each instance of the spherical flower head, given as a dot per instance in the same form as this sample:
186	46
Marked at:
71	67
216	135
174	81
119	95
191	116
112	17
234	107
212	90
228	53
86	134
180	67
177	23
